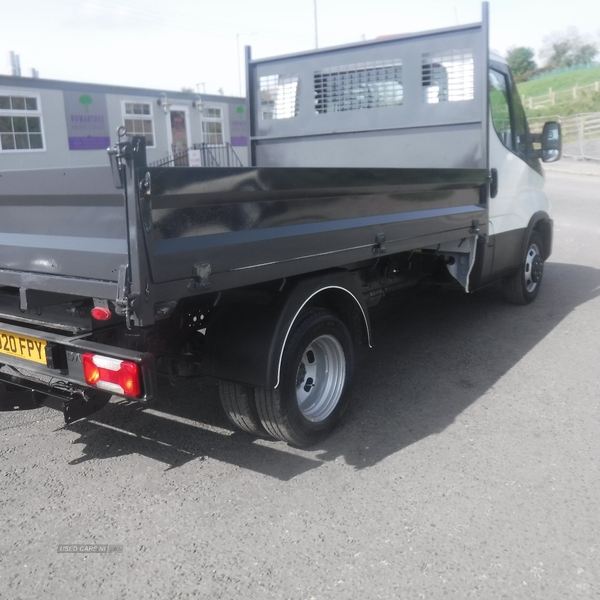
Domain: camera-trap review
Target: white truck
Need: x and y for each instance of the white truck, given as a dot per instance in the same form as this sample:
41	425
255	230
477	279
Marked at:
375	166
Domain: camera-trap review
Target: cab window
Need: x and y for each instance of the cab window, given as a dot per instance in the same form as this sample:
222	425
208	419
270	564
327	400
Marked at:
520	124
508	115
500	107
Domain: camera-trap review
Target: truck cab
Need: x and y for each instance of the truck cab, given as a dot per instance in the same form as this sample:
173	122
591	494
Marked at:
518	206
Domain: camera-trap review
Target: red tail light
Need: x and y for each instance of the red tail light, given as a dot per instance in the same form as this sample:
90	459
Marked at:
111	374
101	313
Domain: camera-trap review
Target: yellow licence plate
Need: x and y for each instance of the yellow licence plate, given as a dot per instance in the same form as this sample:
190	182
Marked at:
22	346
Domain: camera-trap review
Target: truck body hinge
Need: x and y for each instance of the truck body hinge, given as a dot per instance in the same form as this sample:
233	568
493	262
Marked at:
122	286
474	230
118	155
379	247
201	274
125	302
146	185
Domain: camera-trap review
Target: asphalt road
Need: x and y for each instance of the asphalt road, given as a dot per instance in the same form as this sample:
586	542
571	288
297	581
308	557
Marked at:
467	466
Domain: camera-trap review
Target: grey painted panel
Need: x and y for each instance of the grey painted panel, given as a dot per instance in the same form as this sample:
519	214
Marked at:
62	181
413	112
51	224
64	285
452	147
359	133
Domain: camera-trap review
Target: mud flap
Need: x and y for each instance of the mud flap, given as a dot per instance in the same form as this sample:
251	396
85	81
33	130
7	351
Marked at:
80	407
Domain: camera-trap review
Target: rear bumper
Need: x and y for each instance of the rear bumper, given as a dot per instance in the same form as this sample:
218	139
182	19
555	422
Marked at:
60	383
18	394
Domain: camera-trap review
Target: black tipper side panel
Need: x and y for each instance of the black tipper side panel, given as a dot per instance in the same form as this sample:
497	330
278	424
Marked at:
301	219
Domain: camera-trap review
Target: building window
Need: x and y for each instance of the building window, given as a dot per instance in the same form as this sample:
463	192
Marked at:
138	121
212	132
212	125
20	123
213	113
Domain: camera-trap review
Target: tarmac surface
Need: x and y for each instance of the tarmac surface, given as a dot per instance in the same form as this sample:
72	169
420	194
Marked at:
466	466
574	167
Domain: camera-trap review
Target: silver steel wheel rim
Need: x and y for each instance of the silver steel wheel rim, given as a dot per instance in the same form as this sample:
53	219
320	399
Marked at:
320	378
533	268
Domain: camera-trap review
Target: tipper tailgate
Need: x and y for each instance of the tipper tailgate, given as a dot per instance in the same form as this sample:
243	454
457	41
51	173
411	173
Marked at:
64	222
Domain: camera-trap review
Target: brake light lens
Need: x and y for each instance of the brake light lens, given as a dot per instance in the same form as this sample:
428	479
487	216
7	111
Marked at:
101	313
111	374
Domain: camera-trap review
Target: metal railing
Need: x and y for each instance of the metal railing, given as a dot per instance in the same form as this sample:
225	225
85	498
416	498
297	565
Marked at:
177	159
218	155
201	155
581	134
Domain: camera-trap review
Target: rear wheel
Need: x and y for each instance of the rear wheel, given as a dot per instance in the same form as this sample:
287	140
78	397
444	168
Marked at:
317	364
239	405
524	286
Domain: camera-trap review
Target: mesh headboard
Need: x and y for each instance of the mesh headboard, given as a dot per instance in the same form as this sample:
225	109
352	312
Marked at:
417	100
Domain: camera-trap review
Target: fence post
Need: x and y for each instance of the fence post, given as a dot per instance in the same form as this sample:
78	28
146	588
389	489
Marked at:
597	86
575	92
580	134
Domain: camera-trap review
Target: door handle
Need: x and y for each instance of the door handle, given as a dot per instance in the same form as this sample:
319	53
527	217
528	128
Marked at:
494	183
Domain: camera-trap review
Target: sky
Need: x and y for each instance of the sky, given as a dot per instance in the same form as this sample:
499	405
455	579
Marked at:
199	44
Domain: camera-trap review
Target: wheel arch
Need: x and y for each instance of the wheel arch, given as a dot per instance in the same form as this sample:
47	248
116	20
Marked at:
543	224
245	342
345	304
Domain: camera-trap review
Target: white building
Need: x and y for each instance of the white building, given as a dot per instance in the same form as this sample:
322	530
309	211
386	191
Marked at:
46	123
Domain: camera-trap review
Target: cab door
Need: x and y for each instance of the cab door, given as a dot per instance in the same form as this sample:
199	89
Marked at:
519	176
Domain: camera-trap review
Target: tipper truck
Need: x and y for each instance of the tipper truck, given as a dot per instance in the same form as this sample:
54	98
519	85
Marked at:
375	166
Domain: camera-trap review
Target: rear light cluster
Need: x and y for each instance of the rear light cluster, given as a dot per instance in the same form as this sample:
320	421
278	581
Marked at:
101	313
111	374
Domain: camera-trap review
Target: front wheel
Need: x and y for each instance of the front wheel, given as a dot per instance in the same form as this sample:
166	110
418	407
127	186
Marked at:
524	286
317	364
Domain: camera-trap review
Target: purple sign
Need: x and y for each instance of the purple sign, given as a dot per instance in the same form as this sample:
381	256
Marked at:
238	125
87	121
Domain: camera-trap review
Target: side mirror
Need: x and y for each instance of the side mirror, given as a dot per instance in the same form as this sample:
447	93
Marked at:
551	142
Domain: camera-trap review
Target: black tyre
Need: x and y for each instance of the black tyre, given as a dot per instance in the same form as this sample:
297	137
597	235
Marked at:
239	405
317	364
524	286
